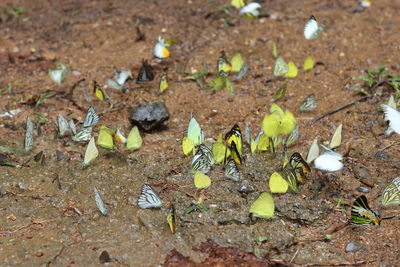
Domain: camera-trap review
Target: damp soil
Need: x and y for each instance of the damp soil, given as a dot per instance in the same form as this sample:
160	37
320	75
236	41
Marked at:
48	212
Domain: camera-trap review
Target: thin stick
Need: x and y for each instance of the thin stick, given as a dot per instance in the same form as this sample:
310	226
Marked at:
340	108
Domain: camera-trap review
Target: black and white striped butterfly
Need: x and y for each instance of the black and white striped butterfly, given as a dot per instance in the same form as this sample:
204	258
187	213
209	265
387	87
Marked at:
148	198
312	29
91	118
28	140
83	135
202	160
232	171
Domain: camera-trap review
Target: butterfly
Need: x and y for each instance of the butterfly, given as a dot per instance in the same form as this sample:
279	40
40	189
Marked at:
98	92
293	136
83	135
99	202
393	116
232	171
145	73
148	198
391	194
263	207
312	29
362	214
308	104
205	150
171	219
223	65
280	67
201	180
251	10
91	152
91	118
290	175
160	49
329	161
62	125
28	140
234	143
134	140
203	159
163	83
299	165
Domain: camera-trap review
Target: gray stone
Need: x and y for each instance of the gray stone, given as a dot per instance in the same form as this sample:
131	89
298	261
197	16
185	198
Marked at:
149	116
382	155
362	189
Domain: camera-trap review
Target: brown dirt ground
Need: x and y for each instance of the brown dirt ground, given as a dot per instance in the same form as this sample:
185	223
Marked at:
41	224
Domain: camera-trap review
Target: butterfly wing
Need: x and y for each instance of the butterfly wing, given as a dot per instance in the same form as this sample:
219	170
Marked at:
91	118
391	194
362	214
145	73
149	198
28	140
232	171
311	29
393	116
297	161
200	162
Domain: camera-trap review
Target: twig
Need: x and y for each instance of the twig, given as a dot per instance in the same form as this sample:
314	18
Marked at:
53	260
340	108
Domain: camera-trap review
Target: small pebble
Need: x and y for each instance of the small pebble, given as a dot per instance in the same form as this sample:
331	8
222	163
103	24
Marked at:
362	189
352	247
381	155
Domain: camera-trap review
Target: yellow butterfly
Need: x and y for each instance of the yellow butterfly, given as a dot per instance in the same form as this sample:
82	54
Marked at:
98	92
234	143
163	83
223	65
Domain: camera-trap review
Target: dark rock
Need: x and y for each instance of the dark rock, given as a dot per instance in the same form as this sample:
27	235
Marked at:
352	246
149	116
382	155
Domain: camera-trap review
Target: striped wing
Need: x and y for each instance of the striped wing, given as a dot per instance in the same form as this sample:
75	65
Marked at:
391	194
148	198
83	135
91	118
362	214
232	171
201	162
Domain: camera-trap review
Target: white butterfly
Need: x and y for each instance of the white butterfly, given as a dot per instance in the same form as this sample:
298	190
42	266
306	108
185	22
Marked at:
312	29
329	161
148	198
160	49
91	152
393	116
99	202
251	8
91	118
